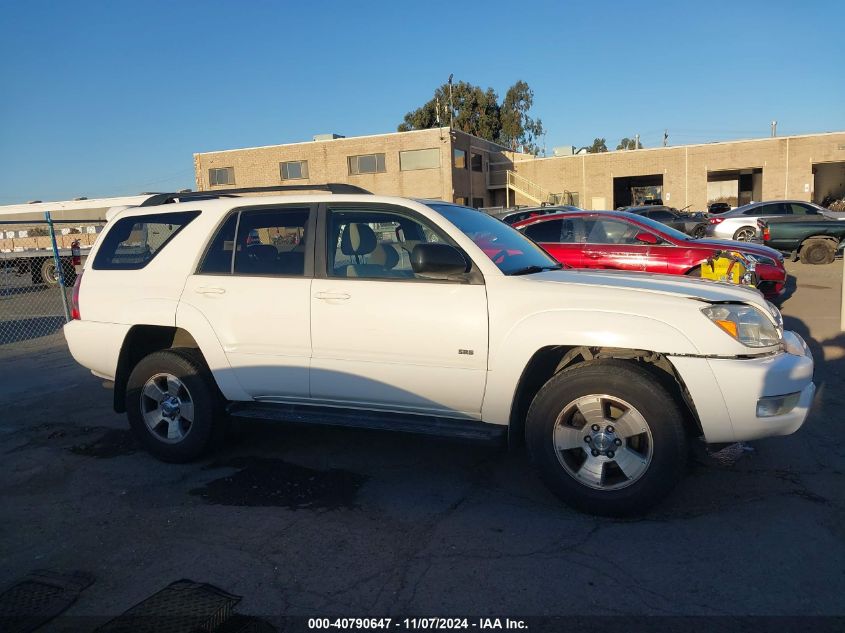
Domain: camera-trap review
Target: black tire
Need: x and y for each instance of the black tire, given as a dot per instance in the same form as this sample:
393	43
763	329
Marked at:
206	428
745	234
818	252
47	273
645	393
699	232
695	271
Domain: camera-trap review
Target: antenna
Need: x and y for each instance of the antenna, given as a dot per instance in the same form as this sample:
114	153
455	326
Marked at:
451	105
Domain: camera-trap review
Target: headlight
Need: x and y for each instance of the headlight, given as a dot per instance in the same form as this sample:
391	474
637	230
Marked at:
760	259
746	324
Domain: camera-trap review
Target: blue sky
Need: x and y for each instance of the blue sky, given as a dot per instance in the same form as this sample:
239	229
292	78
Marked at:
113	98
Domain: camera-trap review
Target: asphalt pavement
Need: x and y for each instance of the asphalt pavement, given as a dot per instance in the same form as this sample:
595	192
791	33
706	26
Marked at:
325	522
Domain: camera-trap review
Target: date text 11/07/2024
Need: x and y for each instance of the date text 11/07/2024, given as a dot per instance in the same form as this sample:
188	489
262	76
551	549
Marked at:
432	624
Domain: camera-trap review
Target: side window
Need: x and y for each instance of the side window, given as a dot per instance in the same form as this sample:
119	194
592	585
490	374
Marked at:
662	216
271	242
133	242
801	209
545	231
218	257
606	231
374	244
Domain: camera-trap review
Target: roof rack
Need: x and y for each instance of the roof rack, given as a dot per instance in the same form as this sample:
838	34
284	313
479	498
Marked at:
166	198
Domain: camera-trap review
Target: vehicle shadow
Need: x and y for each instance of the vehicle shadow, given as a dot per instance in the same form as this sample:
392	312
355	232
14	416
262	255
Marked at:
789	290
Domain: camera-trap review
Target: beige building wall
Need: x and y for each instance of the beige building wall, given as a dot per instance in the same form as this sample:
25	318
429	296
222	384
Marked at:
327	162
782	168
786	163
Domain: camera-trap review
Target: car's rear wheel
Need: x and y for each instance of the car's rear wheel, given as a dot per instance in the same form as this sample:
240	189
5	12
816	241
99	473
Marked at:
699	232
745	234
818	251
173	405
607	438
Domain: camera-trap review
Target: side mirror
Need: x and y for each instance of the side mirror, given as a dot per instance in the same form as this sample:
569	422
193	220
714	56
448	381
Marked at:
646	238
438	259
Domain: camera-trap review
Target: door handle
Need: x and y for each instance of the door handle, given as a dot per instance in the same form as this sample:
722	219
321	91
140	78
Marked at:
208	290
593	255
329	296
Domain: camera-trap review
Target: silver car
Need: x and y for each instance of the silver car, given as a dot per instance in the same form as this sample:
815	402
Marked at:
741	223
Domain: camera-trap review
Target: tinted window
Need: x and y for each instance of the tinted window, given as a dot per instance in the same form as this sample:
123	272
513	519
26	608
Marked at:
460	159
661	216
218	258
133	242
477	162
608	231
374	244
564	231
801	209
271	242
766	209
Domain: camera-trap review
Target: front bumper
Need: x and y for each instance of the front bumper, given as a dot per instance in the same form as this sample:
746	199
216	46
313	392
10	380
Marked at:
726	391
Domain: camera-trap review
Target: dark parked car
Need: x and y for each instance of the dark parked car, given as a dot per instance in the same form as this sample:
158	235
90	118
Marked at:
717	208
671	217
511	216
813	239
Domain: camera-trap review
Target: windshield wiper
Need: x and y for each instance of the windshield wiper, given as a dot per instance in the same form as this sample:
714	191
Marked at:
530	270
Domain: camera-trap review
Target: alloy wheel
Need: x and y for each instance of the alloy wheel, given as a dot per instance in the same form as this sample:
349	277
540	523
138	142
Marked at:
603	442
167	408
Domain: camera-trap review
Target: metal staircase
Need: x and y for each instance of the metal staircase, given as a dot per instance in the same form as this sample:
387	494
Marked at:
513	182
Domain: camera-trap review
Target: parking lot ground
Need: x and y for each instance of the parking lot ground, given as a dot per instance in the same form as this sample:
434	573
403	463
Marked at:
321	522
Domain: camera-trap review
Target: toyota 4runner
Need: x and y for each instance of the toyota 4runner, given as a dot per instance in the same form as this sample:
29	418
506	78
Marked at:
425	316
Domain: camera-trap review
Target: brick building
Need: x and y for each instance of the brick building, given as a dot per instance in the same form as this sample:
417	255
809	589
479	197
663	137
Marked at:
451	165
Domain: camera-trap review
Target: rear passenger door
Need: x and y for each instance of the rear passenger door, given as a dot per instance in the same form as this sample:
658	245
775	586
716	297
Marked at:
611	243
253	286
384	336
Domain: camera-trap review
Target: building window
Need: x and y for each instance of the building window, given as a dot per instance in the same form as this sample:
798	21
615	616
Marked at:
460	200
366	164
477	203
460	159
477	162
221	176
419	159
294	170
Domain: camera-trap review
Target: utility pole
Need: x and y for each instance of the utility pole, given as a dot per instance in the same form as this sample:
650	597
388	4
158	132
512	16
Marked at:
774	128
451	105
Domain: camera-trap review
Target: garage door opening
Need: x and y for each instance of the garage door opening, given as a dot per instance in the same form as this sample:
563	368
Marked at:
828	182
736	186
637	190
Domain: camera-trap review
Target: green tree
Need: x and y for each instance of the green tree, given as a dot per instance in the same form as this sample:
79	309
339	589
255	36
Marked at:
476	111
599	145
629	143
518	129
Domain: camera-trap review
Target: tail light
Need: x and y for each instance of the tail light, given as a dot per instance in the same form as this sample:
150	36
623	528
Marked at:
74	299
766	234
715	220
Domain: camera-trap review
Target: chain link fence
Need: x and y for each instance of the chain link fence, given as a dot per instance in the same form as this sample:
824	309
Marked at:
38	266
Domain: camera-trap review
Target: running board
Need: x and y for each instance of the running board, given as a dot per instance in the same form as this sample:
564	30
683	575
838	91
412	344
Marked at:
470	430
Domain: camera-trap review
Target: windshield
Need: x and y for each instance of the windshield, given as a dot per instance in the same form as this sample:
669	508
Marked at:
506	247
666	230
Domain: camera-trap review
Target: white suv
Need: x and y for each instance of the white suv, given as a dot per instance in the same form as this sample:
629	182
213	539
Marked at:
425	316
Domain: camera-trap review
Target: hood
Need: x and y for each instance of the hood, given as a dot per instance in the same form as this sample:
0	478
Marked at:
668	285
733	245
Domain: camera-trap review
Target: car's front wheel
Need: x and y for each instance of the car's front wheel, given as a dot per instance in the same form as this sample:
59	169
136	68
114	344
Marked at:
607	438
173	405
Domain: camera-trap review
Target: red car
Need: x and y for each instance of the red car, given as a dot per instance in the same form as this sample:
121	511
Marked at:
624	241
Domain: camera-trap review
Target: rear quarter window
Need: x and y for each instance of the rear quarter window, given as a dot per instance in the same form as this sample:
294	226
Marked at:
132	243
